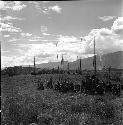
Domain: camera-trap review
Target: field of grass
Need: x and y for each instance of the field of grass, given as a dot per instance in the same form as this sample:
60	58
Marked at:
23	104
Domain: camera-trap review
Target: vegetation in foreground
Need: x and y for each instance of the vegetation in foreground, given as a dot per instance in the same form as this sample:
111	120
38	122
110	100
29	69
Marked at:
23	104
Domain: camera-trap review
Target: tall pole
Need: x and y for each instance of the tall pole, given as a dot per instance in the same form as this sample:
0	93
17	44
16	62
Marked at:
68	67
80	65
62	66
109	70
94	59
34	64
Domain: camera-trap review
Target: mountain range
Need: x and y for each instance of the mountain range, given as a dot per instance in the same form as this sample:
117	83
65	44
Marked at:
115	60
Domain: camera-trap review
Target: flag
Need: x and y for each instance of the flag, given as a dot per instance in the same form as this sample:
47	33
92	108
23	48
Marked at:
80	63
93	63
62	60
34	61
57	56
56	44
81	39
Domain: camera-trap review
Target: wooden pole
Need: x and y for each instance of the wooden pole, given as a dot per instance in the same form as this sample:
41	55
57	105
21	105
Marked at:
63	66
109	75
68	67
94	59
34	64
80	65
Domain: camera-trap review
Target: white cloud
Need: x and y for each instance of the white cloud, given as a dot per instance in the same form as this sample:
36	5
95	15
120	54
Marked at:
62	38
6	35
45	34
14	40
18	6
36	49
106	18
9	18
6	61
107	40
55	8
106	32
35	38
118	26
45	9
72	48
13	5
40	7
26	34
12	61
9	27
2	4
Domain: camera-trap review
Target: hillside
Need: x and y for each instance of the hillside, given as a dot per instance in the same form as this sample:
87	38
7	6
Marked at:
111	59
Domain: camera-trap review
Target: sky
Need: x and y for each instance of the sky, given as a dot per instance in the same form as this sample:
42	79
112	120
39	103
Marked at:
46	28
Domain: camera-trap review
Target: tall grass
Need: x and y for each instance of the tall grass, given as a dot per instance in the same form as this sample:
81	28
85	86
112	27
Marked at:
49	107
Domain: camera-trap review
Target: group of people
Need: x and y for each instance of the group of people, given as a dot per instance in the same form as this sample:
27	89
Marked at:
91	85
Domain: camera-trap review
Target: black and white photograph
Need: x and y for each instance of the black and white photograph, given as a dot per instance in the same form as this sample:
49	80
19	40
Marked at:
61	62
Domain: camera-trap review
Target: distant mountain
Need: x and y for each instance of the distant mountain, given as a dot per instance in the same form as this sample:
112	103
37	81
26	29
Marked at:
50	65
86	63
115	60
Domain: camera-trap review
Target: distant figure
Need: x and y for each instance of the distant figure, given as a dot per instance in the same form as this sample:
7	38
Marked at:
50	83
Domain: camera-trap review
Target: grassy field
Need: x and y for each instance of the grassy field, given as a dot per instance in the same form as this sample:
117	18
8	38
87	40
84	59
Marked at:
23	104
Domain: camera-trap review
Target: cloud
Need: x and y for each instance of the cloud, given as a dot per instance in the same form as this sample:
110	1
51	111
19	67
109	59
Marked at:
9	18
9	27
14	40
117	26
45	48
9	61
106	18
46	34
55	8
106	32
2	4
35	38
6	35
26	34
62	38
72	48
107	40
45	9
12	5
41	51
6	61
18	6
41	8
